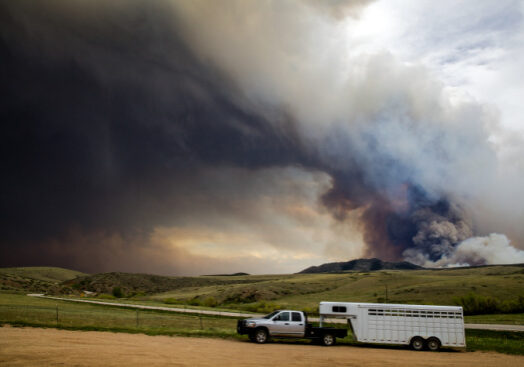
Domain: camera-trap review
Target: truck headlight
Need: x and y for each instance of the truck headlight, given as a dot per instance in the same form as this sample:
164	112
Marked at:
251	324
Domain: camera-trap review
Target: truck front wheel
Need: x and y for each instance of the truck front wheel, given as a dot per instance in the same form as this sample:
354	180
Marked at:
328	340
261	336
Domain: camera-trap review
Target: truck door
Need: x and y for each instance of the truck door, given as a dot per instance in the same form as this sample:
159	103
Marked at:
297	325
289	323
281	323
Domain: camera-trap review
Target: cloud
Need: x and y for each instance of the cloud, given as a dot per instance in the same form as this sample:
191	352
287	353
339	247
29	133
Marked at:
272	222
270	124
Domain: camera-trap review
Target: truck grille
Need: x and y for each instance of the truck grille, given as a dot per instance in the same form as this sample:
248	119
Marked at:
240	325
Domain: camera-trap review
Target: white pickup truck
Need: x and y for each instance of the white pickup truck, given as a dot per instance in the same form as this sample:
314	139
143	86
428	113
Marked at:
287	324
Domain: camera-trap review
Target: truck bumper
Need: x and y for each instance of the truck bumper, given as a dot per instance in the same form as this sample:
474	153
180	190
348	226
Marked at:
242	329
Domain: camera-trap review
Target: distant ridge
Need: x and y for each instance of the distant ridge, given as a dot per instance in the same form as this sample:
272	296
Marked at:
360	265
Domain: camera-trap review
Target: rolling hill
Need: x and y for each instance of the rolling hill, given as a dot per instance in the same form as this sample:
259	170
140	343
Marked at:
305	291
131	283
34	279
261	293
360	265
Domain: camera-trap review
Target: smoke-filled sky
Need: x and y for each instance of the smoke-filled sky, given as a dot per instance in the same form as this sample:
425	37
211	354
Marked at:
264	136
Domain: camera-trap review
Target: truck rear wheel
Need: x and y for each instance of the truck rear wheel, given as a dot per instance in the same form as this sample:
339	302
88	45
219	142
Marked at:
261	336
417	343
433	344
328	339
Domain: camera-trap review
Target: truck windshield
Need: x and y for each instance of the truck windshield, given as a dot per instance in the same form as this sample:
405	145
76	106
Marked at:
271	315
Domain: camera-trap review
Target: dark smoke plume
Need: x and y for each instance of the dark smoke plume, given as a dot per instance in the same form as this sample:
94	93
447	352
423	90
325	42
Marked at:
113	112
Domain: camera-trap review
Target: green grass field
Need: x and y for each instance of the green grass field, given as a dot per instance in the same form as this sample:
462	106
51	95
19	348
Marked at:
21	310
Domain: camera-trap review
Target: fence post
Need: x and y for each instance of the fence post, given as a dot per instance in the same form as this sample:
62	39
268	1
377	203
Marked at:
57	314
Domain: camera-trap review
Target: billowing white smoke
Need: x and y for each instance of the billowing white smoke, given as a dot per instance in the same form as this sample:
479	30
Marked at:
492	249
398	122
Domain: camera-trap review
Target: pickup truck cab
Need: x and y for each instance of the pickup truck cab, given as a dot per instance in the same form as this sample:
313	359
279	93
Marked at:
287	324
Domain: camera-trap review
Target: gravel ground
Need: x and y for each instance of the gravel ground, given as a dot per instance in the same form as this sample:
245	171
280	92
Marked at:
45	347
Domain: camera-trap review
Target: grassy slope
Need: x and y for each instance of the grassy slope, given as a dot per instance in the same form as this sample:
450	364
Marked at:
131	283
307	290
34	279
47	274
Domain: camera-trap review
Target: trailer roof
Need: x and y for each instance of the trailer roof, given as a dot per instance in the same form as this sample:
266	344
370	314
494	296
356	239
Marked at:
394	305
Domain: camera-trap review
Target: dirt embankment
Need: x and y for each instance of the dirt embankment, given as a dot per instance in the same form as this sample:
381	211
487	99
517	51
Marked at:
41	347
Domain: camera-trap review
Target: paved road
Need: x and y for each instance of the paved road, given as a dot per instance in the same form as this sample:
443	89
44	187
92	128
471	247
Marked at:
499	327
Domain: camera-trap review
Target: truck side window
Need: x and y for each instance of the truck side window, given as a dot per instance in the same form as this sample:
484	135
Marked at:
296	316
284	316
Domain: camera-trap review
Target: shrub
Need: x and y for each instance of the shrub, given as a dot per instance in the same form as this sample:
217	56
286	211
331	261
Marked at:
515	306
117	292
474	304
311	311
195	302
210	302
105	296
262	307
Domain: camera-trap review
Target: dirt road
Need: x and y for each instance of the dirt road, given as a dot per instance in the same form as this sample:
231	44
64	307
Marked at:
43	347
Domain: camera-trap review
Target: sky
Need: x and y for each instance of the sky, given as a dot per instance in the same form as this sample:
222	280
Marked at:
209	137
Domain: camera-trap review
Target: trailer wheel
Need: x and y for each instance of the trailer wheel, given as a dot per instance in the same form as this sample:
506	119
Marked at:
433	344
417	343
328	339
261	336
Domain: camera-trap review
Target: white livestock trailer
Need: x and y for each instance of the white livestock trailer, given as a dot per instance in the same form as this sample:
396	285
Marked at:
419	326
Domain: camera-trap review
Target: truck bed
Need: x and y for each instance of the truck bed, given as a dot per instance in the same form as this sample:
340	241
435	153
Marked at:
317	332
